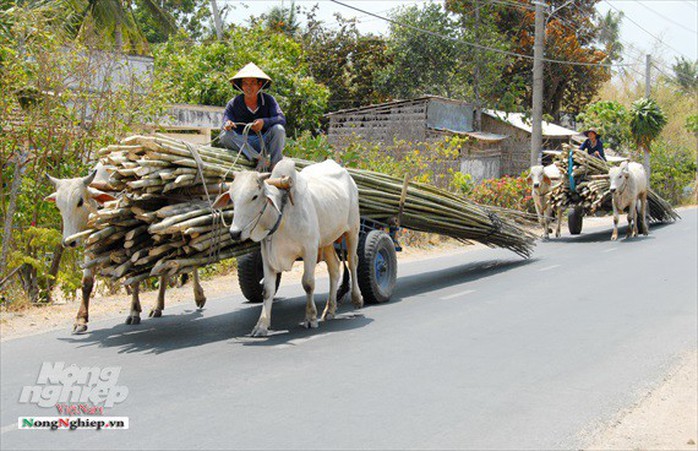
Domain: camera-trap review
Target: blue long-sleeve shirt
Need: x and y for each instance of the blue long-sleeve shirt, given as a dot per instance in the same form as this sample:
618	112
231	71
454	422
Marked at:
267	109
586	145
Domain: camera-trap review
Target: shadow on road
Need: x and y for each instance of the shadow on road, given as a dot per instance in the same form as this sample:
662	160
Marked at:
436	280
605	235
193	328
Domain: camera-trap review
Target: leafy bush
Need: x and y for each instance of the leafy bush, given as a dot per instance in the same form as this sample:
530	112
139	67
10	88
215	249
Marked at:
198	73
507	192
673	174
611	119
430	162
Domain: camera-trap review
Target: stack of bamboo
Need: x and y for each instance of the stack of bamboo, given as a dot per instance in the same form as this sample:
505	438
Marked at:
592	188
163	223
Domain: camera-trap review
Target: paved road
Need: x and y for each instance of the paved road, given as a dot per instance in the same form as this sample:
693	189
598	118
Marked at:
477	350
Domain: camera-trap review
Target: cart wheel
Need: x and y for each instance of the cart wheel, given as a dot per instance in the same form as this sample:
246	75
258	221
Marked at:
251	276
574	220
377	272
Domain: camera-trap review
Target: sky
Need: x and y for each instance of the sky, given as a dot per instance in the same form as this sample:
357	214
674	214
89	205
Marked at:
666	29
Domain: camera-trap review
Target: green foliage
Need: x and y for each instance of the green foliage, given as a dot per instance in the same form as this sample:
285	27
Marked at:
422	63
282	19
507	192
462	184
692	123
345	61
611	119
609	35
34	252
647	121
673	172
53	122
430	162
686	75
192	16
199	73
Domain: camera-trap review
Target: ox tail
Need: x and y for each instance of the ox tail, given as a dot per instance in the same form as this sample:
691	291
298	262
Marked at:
344	288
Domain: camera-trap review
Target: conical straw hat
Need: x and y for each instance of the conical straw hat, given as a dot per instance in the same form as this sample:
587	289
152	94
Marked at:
250	71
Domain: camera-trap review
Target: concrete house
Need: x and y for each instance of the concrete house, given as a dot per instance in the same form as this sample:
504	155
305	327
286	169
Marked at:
423	119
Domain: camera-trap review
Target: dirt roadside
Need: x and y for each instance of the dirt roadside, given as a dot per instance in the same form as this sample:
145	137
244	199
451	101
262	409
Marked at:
665	417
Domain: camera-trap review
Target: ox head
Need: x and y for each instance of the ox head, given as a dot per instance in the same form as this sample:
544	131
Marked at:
537	177
618	177
256	204
75	200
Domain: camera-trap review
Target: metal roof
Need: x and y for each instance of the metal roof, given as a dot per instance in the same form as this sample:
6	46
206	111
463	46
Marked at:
519	121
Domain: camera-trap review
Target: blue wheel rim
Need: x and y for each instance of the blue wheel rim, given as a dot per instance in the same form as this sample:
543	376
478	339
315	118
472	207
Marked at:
380	267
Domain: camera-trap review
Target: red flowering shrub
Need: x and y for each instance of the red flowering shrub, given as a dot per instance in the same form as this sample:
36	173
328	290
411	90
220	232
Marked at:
507	192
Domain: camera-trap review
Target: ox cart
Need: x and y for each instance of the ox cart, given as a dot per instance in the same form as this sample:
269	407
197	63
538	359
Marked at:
377	269
584	189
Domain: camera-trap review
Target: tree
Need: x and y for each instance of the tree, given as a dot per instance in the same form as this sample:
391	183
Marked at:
686	75
345	61
570	36
192	16
421	63
646	123
199	72
110	22
281	19
478	23
609	35
52	121
611	119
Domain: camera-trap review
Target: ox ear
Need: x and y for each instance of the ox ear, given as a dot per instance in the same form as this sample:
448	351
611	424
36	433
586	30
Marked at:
223	200
547	180
51	197
529	179
88	179
100	196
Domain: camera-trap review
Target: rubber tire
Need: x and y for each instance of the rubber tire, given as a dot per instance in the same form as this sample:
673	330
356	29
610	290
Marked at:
372	244
251	276
574	220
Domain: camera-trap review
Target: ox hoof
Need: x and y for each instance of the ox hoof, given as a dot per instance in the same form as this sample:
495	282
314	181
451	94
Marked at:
259	331
357	301
327	316
133	320
200	302
310	324
614	237
79	329
155	313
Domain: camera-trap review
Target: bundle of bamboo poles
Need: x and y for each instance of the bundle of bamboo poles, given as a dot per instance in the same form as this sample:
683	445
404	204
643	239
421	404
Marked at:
592	190
162	221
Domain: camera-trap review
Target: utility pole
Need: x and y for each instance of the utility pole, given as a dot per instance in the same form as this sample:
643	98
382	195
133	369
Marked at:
537	107
217	20
476	75
648	65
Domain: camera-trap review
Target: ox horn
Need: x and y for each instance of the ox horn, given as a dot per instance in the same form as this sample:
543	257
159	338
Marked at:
87	180
284	182
53	180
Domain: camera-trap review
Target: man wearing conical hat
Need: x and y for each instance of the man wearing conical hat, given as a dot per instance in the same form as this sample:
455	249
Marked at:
593	144
262	111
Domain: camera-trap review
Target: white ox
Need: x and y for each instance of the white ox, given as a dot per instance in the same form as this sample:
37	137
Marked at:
541	180
76	198
298	215
628	186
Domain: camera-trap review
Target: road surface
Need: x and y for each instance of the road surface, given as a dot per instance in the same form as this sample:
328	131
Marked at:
480	349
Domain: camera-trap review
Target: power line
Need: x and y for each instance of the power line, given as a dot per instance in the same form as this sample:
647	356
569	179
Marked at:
471	44
645	30
667	18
